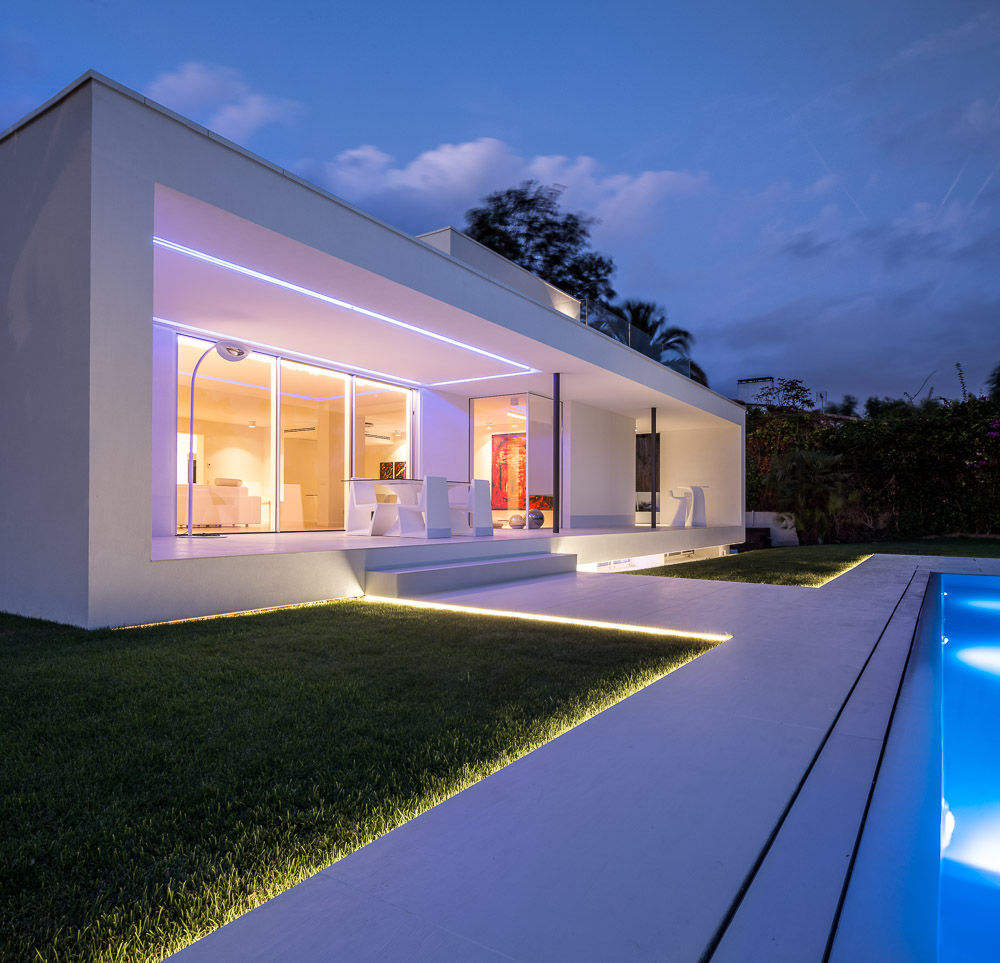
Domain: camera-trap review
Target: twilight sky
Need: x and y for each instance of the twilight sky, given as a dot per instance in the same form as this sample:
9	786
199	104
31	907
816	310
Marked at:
812	189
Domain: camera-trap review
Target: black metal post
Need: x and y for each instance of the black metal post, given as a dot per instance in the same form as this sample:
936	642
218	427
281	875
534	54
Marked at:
655	462
556	438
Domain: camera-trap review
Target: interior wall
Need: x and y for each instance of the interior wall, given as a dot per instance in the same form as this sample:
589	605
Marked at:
600	482
711	457
376	453
45	200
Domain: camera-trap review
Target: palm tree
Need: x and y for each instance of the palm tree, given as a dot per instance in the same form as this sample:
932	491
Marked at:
671	344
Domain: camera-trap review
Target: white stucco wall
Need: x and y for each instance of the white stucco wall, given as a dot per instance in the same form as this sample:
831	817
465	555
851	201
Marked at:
598	467
712	457
44	352
444	434
164	432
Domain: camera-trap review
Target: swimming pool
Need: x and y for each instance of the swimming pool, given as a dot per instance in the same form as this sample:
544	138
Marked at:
969	908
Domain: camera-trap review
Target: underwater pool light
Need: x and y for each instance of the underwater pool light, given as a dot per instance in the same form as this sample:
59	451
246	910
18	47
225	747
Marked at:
986	658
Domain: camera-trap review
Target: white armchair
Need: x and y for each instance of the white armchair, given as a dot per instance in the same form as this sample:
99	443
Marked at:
365	514
430	516
460	509
469	508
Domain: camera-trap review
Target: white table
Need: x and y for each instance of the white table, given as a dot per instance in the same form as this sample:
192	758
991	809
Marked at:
423	509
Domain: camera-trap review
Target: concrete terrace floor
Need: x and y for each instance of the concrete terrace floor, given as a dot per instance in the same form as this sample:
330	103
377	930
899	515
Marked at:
711	815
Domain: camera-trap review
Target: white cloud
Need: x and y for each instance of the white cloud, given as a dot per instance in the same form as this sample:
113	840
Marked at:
982	117
824	185
220	97
981	31
437	186
194	86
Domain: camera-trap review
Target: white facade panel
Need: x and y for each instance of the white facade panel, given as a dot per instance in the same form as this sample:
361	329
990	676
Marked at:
707	457
601	471
444	434
45	349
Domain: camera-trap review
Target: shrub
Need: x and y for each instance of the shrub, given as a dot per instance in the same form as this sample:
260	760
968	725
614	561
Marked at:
906	470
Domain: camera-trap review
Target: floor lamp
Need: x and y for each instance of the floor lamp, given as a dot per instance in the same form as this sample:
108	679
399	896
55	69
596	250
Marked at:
228	351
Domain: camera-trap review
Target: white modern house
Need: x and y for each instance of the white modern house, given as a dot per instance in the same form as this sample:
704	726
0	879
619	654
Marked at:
133	241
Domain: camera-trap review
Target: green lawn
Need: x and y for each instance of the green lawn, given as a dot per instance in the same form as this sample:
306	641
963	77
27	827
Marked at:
814	565
155	783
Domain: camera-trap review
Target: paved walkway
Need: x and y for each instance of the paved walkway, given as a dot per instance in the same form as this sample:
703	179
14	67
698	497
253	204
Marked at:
711	813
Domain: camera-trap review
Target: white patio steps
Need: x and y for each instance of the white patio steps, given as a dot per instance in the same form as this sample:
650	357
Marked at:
409	581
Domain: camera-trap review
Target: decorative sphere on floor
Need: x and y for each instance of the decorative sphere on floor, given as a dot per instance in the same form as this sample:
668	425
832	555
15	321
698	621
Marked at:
516	521
535	518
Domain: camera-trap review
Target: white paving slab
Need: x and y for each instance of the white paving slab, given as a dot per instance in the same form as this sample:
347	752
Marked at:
787	913
631	835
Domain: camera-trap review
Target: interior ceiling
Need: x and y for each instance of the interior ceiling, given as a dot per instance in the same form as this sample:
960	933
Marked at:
215	299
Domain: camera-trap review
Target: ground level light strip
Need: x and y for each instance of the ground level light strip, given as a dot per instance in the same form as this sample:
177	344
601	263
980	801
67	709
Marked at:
235	615
556	619
844	571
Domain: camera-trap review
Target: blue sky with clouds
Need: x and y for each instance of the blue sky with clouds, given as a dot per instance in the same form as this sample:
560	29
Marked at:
812	189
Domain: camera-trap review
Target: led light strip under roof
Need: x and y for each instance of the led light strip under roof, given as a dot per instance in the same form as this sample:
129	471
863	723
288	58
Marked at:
465	381
556	619
346	305
330	364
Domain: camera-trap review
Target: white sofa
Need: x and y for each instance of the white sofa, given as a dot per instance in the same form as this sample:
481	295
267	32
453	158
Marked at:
219	505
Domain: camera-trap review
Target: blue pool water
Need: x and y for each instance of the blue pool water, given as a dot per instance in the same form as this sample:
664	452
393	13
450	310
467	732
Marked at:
970	724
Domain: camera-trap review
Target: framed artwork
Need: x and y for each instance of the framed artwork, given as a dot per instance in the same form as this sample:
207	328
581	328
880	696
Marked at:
508	471
391	469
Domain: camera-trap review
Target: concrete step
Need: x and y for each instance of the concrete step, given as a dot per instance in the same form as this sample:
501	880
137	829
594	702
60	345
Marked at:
410	581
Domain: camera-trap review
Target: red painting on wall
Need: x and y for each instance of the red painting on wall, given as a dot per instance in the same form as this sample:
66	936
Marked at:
508	471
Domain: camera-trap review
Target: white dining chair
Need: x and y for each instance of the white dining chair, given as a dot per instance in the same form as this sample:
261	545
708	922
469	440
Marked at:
365	514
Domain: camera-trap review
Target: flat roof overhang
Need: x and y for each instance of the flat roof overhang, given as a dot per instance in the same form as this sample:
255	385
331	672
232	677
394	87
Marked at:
219	273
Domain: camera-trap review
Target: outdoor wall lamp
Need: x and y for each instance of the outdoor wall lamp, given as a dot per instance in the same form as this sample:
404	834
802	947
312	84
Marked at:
228	351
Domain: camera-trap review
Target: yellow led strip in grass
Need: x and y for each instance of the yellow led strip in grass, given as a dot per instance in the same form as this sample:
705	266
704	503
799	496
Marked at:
843	571
556	619
235	615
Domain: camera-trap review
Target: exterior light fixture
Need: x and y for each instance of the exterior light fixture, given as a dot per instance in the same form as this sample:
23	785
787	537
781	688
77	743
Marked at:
228	351
231	350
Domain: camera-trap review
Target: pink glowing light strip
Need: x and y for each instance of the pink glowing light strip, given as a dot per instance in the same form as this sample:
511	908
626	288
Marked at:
337	302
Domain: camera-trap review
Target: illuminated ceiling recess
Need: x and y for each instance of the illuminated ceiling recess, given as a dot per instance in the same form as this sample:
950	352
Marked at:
203	334
521	369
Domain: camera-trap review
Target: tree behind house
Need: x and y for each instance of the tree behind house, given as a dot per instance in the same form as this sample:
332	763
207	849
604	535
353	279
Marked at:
526	226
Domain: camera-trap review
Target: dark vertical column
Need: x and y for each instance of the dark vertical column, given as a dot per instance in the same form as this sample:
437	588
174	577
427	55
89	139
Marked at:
655	460
556	440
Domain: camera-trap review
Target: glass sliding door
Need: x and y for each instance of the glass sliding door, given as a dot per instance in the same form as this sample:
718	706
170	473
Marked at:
381	430
275	440
540	498
500	453
315	436
234	440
